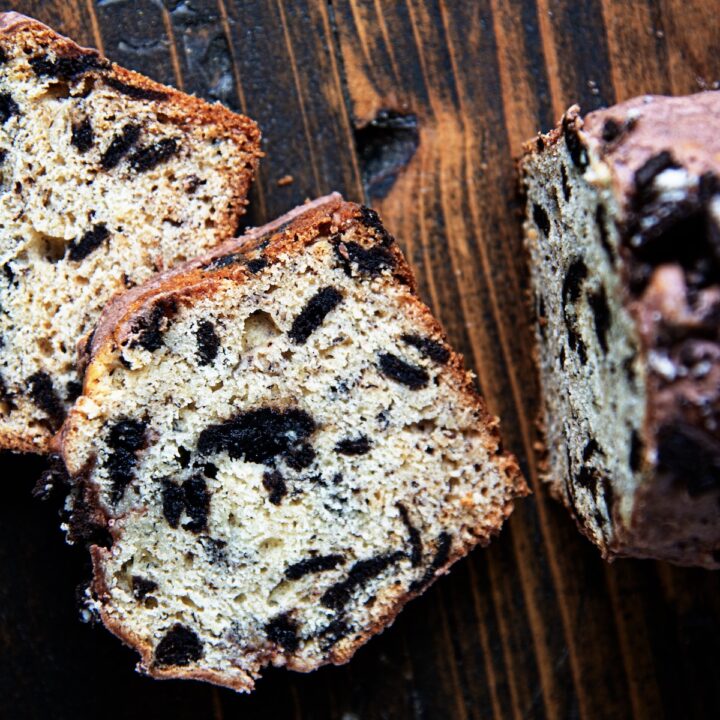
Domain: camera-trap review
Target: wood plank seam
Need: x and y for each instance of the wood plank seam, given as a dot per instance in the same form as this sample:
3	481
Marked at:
257	187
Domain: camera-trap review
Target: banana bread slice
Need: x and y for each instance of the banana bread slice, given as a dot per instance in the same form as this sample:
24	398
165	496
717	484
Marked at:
623	229
275	449
105	178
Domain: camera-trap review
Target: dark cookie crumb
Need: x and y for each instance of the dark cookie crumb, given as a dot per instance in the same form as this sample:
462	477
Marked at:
333	633
411	375
141	587
275	484
183	457
9	273
148	328
588	477
442	554
336	596
313	565
180	646
128	434
601	222
69	67
43	394
601	315
119	146
148	157
614	129
567	191
254	266
192	497
83	136
314	313
428	347
416	545
197	504
283	630
137	93
574	277
73	390
214	548
651	168
353	446
54	477
636	451
578	153
126	438
370	219
257	435
91	240
84	523
8	107
300	456
208	342
173	502
611	130
210	470
257	264
591	448
541	219
371	261
224	261
708	186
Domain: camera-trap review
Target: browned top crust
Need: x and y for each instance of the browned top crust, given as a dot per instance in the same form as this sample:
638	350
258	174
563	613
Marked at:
685	126
15	28
630	133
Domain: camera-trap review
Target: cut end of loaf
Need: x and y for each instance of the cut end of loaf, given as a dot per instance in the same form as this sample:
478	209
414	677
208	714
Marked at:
105	178
275	451
622	209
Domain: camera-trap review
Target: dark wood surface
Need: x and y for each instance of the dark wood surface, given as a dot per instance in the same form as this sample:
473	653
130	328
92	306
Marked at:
418	107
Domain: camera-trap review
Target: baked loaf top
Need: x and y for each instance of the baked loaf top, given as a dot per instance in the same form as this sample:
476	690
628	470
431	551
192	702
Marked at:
624	210
105	178
275	449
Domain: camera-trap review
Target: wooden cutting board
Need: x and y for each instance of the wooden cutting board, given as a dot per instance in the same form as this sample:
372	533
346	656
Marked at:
418	107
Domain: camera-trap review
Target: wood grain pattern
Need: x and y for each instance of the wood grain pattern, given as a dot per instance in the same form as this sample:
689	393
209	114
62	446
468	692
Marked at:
537	626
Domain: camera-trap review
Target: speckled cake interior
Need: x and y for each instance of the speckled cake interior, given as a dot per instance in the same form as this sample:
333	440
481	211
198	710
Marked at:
105	178
593	383
283	450
622	231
